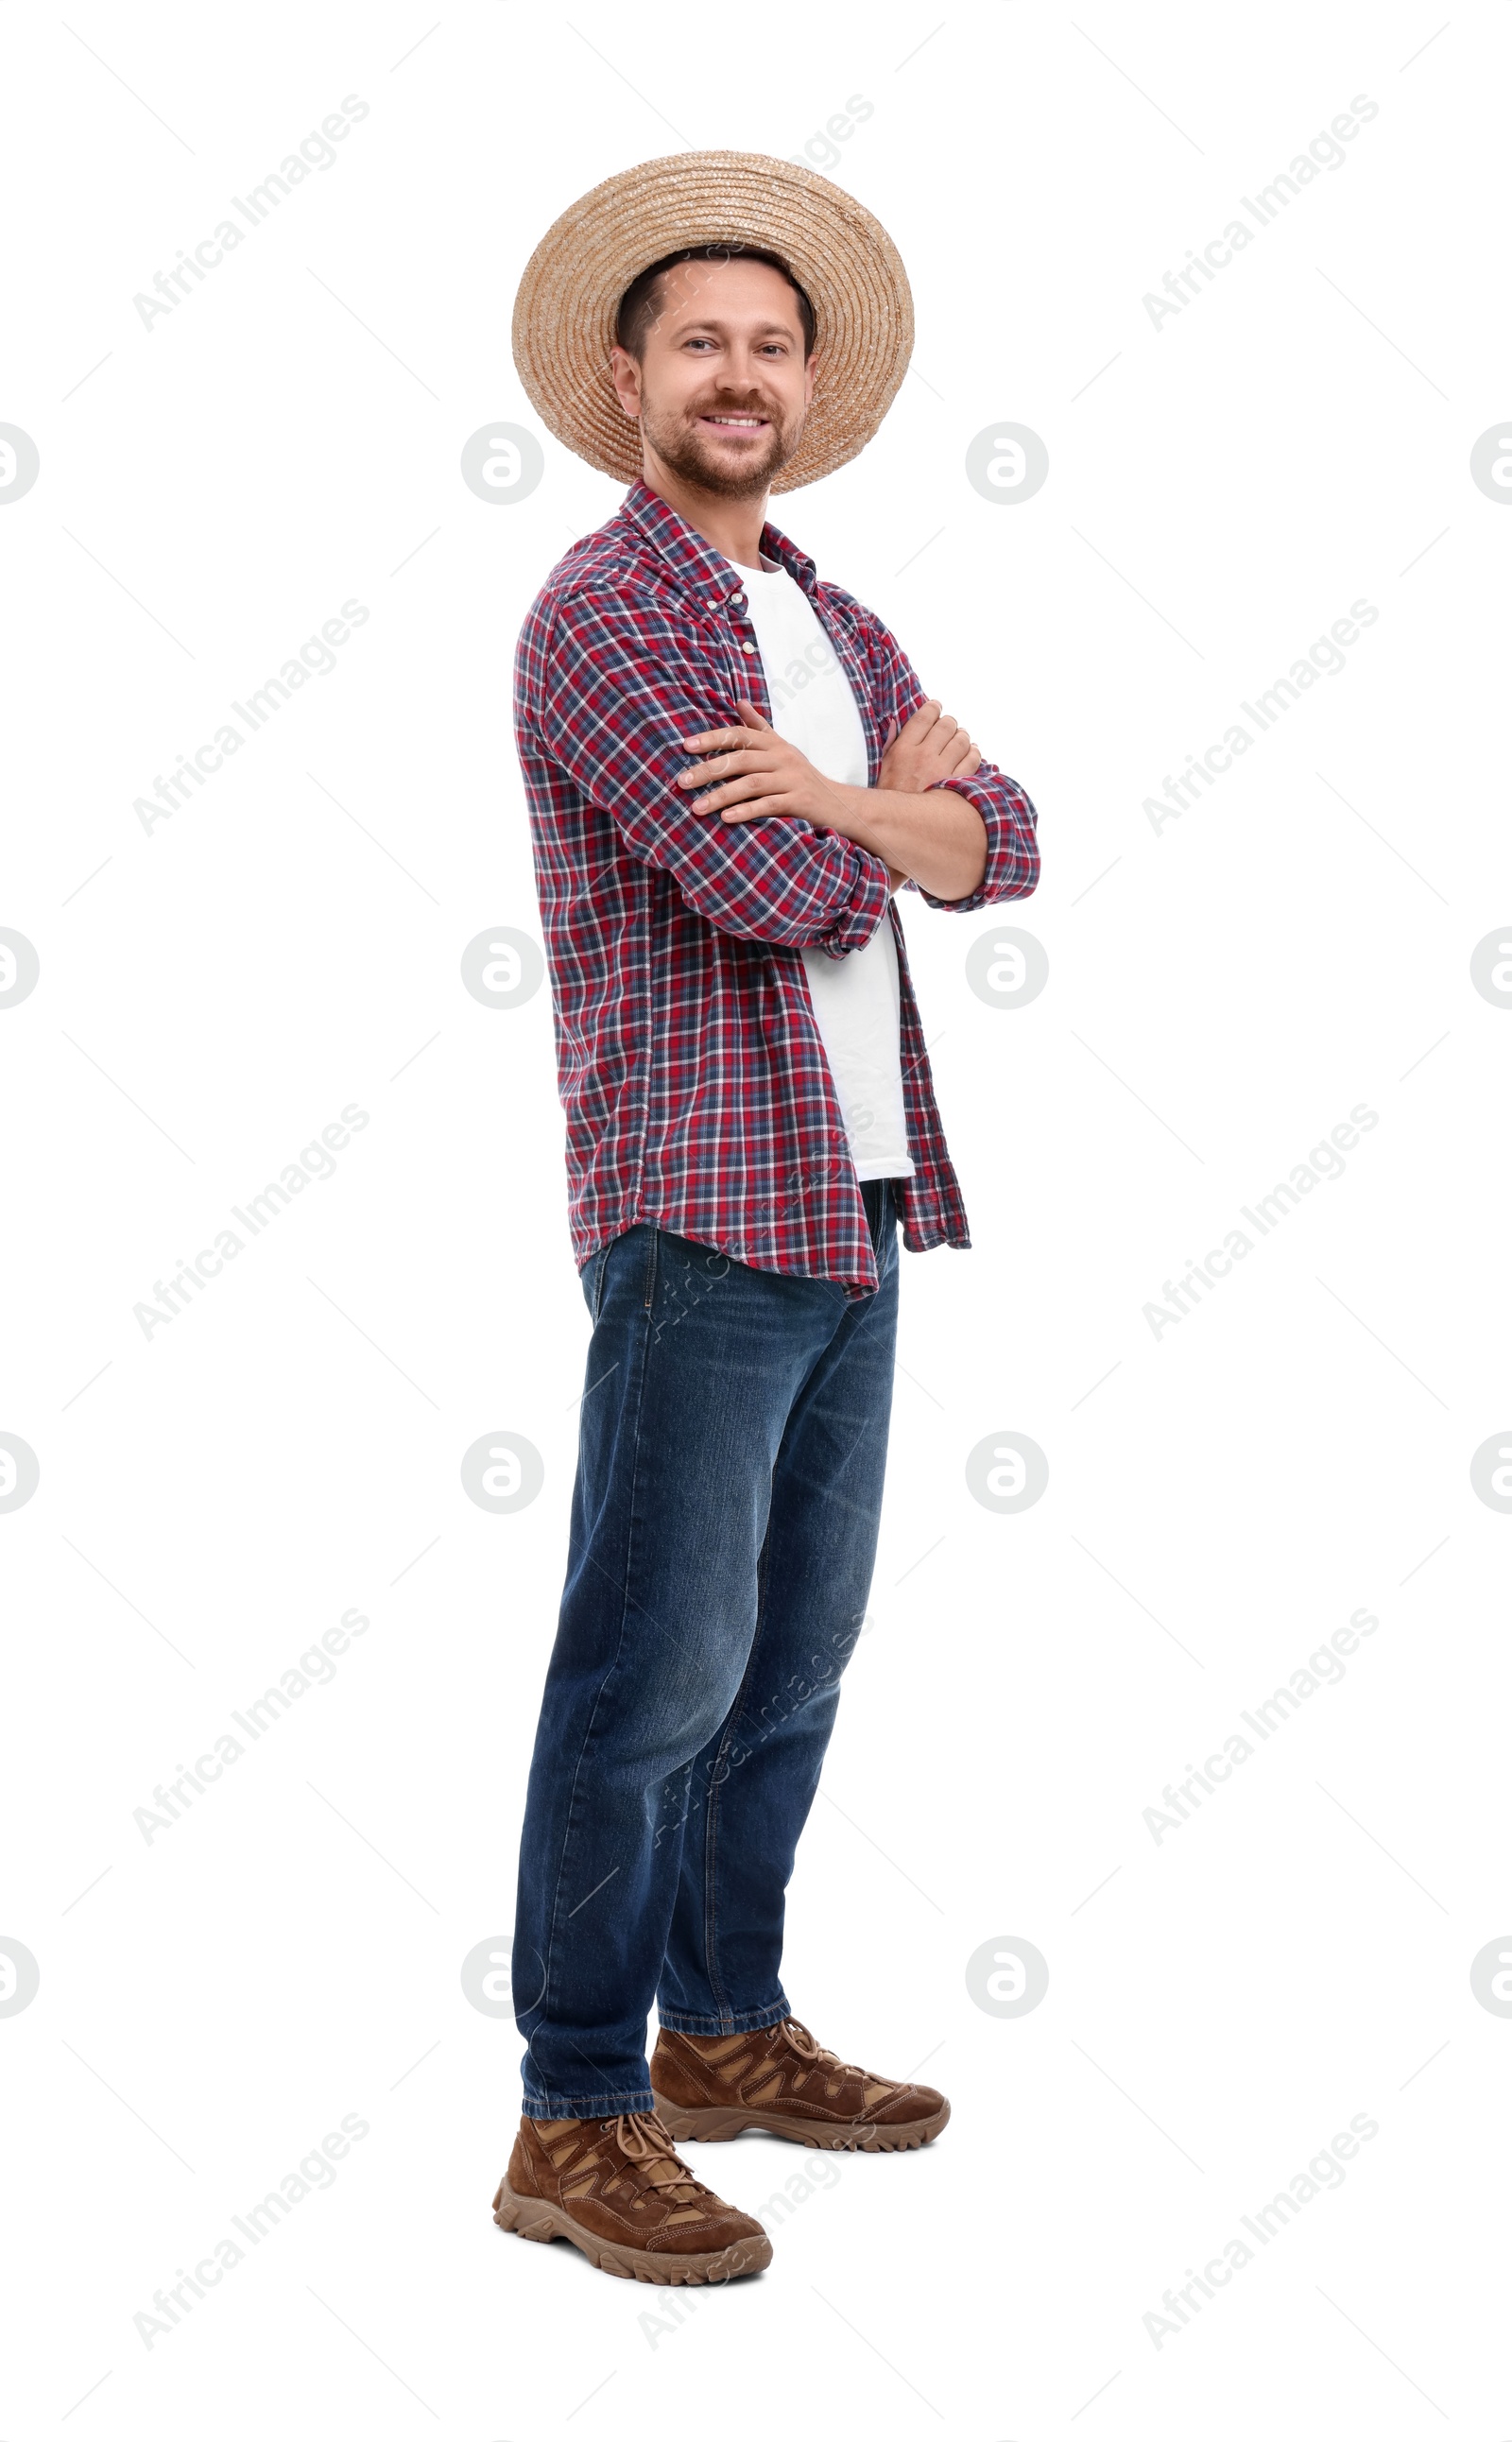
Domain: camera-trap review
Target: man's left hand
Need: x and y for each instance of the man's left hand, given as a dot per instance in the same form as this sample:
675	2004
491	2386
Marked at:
751	770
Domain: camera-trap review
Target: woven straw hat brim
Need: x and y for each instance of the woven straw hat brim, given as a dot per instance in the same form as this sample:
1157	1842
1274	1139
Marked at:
842	256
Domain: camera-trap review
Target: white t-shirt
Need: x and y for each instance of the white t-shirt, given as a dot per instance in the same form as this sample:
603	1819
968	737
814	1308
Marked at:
855	998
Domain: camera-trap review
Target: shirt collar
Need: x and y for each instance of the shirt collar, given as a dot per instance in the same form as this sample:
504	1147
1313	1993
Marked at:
695	562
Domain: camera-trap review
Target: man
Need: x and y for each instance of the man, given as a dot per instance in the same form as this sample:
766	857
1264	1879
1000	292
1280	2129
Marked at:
729	769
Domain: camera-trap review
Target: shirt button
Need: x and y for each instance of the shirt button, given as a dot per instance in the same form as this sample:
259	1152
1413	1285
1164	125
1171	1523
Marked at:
748	649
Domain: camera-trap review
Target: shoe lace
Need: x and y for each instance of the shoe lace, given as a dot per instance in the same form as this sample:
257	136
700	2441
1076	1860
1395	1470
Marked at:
643	2140
814	2054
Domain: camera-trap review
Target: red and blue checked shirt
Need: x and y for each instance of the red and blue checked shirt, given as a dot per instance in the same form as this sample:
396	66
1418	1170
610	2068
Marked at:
694	1082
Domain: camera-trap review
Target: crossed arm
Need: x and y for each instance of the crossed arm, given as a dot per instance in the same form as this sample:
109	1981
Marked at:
613	691
921	832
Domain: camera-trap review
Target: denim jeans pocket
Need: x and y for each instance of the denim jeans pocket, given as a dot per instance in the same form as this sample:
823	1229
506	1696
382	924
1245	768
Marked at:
593	1276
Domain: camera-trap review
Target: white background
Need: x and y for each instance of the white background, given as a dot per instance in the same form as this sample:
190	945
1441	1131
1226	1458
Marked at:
1221	993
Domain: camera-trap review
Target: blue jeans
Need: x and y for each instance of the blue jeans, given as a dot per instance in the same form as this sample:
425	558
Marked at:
733	1444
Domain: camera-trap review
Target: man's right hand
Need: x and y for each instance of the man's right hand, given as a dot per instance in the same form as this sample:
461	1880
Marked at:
930	747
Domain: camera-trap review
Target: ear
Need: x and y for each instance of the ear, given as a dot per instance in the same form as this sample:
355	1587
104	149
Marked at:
626	376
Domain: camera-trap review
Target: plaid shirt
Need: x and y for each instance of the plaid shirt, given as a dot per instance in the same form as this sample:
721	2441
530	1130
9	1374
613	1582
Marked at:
696	1086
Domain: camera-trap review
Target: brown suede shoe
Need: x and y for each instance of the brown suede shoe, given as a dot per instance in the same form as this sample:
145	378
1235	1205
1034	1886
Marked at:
779	2080
617	2189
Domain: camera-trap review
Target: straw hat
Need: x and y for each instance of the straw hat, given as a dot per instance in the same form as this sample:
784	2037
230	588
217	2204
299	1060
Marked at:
844	259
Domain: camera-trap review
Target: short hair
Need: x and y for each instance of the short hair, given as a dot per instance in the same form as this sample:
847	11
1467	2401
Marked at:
639	306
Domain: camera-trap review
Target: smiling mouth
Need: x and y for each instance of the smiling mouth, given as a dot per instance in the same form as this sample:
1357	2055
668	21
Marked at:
735	423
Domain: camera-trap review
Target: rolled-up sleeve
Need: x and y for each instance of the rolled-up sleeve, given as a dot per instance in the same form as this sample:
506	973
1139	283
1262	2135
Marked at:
612	707
1013	866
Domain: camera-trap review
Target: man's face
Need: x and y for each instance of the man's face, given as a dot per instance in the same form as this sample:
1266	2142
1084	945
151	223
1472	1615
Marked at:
722	389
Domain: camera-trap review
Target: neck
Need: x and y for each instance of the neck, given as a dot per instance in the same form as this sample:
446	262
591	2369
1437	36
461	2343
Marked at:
732	526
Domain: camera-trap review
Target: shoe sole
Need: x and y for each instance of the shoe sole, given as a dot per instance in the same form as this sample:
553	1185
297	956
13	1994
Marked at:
533	2217
713	2124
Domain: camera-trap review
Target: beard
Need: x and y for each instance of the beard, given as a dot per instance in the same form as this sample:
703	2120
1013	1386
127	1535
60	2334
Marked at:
681	445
